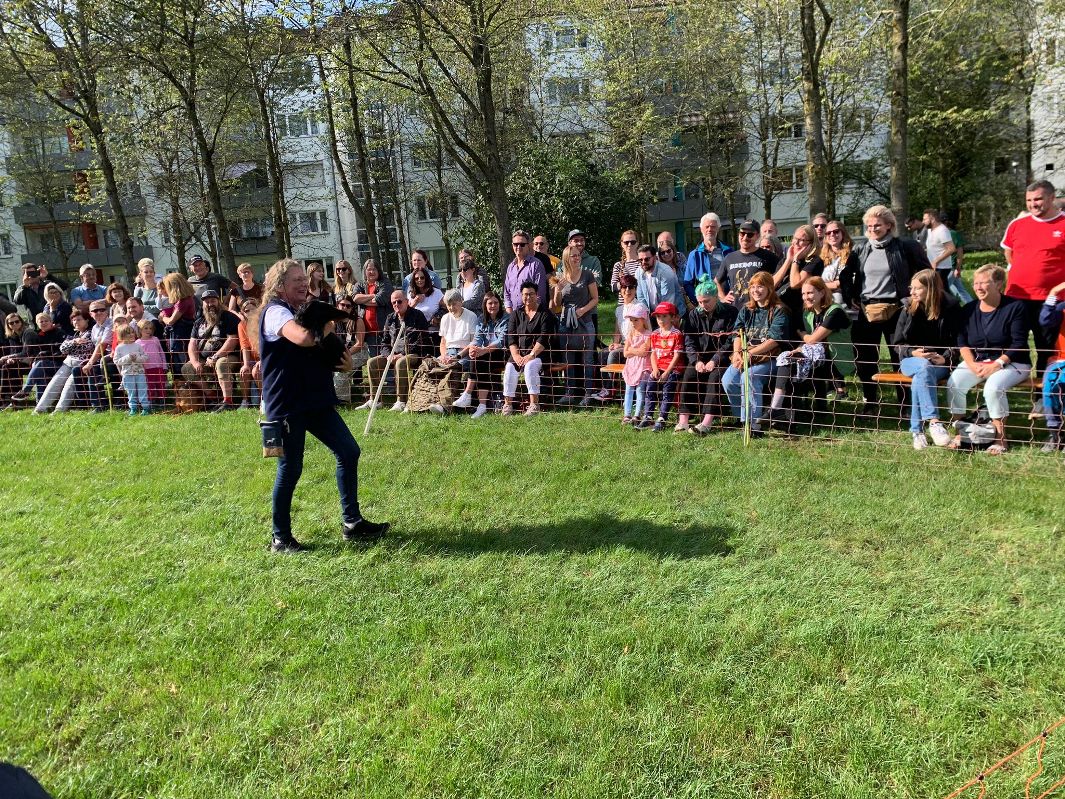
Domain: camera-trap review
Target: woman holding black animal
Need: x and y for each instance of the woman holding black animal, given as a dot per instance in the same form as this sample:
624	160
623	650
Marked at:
298	398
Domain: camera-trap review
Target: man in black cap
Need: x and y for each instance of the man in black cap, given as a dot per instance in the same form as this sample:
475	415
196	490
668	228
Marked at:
213	347
739	266
202	278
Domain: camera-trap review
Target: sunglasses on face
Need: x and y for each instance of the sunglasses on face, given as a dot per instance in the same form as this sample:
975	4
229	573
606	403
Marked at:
820	227
665	249
747	233
520	244
629	242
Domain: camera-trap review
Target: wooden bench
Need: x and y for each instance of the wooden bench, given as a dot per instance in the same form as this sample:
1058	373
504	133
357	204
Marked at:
899	379
613	369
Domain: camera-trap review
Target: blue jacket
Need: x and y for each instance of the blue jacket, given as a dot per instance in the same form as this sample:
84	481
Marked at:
702	265
667	287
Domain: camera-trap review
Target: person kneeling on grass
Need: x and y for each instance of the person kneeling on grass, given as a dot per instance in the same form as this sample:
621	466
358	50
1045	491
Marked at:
298	395
925	340
994	351
1052	320
764	318
667	365
530	334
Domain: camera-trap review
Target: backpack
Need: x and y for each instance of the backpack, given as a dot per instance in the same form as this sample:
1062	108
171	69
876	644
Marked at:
434	383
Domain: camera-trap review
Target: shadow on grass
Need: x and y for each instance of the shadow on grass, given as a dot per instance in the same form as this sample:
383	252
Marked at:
582	535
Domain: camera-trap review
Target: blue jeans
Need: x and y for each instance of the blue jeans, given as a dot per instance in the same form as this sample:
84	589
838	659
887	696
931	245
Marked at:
578	346
327	426
1054	393
923	391
137	390
662	393
40	373
956	287
732	382
633	393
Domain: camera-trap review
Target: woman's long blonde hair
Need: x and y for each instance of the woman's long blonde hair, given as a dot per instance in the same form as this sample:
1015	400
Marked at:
177	287
933	294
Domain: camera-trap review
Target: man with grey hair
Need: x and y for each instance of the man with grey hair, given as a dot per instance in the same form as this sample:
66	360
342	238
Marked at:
88	291
705	260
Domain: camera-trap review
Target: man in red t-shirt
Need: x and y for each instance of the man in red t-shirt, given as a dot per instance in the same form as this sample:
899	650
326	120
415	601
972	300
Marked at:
1034	246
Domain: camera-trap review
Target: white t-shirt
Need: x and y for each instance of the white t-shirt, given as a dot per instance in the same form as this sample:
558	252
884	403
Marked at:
276	318
458	332
934	245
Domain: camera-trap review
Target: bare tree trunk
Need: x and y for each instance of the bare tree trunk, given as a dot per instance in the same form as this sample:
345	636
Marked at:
900	107
813	42
278	204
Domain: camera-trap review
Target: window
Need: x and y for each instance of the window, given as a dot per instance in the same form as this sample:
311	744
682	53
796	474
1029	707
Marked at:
46	145
8	290
304	124
1048	168
111	238
309	222
5	244
45	241
430	208
561	91
788	178
304	176
259	228
790	126
566	38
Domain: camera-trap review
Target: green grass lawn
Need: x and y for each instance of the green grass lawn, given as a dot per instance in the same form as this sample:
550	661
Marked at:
563	608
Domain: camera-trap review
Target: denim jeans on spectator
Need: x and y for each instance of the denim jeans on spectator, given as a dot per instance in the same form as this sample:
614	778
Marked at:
924	403
40	373
1054	393
957	288
963	379
732	382
659	393
327	426
136	386
579	349
634	393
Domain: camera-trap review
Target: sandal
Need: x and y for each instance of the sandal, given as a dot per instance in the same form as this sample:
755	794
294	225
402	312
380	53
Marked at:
997	449
955	443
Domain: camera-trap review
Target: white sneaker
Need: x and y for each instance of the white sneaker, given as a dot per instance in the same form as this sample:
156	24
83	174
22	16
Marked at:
464	400
369	404
939	434
919	441
482	409
436	407
399	406
532	410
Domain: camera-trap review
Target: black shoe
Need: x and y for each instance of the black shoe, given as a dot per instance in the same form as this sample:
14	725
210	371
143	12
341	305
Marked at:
288	544
364	531
223	406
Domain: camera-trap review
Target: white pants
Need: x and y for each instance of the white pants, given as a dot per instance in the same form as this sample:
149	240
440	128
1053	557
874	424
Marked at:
57	390
963	379
532	378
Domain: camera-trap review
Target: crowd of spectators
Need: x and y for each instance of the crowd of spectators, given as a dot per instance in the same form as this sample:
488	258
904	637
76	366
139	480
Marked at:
762	332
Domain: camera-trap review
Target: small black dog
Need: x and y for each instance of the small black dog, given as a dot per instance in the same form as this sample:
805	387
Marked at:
314	315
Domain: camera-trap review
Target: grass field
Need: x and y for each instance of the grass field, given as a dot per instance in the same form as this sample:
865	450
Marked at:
563	608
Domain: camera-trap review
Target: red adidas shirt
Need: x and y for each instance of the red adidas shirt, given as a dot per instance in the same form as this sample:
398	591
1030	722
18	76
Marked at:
1038	256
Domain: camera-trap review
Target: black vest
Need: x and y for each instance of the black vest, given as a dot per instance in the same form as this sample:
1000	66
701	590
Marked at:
294	381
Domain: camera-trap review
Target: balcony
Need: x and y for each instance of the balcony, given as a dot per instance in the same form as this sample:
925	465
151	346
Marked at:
107	256
248	198
50	162
244	247
33	214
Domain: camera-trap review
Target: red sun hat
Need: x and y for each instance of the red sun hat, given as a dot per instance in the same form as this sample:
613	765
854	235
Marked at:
665	308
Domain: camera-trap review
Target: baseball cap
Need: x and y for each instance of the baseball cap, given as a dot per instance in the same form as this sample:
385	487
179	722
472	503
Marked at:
210	293
665	309
195	259
573	233
750	226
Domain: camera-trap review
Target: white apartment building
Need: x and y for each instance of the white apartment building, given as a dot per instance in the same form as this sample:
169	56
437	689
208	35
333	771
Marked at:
1048	106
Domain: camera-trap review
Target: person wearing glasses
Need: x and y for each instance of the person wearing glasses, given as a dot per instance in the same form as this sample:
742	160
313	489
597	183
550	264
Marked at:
472	283
704	261
542	249
352	333
820	224
841	264
101	354
669	254
530	336
886	265
525	268
413	344
628	263
17	335
373	297
657	283
419	259
739	266
343	280
578	295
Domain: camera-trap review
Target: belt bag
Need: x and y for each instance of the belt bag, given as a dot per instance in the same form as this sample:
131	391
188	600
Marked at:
880	311
273	438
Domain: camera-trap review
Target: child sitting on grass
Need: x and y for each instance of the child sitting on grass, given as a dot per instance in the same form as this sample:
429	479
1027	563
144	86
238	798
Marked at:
637	363
155	368
130	359
667	361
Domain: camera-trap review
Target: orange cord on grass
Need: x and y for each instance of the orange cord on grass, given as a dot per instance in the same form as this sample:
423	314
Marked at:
981	778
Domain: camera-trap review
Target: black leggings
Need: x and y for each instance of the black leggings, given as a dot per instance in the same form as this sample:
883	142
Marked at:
701	393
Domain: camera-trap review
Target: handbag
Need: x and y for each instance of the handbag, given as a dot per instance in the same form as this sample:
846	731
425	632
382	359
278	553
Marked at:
273	438
880	311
